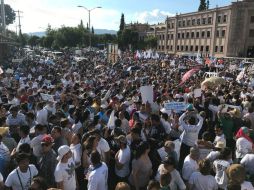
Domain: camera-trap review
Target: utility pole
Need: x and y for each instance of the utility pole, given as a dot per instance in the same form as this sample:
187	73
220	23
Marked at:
19	25
3	17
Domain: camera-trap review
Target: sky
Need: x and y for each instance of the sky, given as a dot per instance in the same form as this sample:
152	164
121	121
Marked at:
37	14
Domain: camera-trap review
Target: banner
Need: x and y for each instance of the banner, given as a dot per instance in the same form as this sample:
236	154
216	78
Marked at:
197	93
146	94
176	106
17	60
47	97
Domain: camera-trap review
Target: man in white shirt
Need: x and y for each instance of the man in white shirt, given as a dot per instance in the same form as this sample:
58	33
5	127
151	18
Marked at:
42	114
98	173
122	160
248	163
190	133
65	170
24	135
40	131
190	164
21	177
219	135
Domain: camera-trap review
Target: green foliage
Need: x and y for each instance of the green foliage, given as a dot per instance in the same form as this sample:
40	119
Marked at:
207	4
33	41
10	15
151	42
128	37
122	23
202	6
92	30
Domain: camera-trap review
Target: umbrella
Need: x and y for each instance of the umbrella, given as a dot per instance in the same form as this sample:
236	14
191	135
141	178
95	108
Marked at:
187	75
213	82
227	75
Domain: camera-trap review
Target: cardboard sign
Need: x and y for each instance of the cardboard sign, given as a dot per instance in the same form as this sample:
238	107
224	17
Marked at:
197	93
17	60
47	97
176	106
146	94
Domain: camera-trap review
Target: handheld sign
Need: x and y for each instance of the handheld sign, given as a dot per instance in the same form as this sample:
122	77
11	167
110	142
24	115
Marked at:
197	93
147	94
176	106
47	97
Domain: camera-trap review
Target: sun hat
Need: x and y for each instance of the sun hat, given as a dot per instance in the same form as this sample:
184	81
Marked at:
220	144
62	150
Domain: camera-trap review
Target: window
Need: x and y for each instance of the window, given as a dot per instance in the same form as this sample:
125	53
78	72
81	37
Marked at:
198	21
251	33
203	20
186	48
192	34
162	47
193	22
216	49
163	37
179	23
184	23
167	47
188	22
177	48
252	19
219	19
173	25
203	34
159	47
172	36
182	35
187	35
196	48
218	33
168	36
171	48
221	48
197	35
201	48
179	35
181	48
225	18
208	34
209	20
223	33
207	48
191	48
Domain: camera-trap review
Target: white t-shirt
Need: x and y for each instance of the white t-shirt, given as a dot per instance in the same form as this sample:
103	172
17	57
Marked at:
248	163
243	146
247	186
213	155
76	151
42	117
202	182
25	178
76	126
36	145
23	141
97	179
103	147
176	180
189	166
124	158
220	167
65	172
220	138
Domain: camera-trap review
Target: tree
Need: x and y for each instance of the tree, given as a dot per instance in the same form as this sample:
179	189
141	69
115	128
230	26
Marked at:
87	26
92	30
151	42
202	6
122	23
10	15
81	25
33	40
207	4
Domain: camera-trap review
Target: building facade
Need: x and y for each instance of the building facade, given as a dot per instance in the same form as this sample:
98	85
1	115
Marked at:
221	32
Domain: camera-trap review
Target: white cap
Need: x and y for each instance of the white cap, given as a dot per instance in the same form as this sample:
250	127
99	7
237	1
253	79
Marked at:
62	150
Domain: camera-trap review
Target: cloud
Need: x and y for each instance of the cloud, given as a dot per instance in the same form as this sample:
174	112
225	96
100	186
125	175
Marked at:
38	14
153	16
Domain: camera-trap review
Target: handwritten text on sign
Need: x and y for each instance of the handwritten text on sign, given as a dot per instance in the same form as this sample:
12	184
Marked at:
177	106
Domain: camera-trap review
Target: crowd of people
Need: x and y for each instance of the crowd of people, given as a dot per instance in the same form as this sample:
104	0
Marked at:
84	125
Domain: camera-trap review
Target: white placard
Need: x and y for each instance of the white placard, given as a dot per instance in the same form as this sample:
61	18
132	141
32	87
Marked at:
47	97
146	94
17	60
176	106
197	93
9	71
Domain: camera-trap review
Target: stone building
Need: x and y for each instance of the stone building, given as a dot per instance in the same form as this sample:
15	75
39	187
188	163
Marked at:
221	32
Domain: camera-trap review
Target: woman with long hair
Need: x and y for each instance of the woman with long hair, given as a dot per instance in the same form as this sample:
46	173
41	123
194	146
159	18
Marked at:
141	167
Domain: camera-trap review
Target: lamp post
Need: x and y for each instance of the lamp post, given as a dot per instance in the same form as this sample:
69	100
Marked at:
89	21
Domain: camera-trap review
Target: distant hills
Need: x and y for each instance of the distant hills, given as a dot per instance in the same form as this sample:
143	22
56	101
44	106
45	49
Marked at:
97	31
